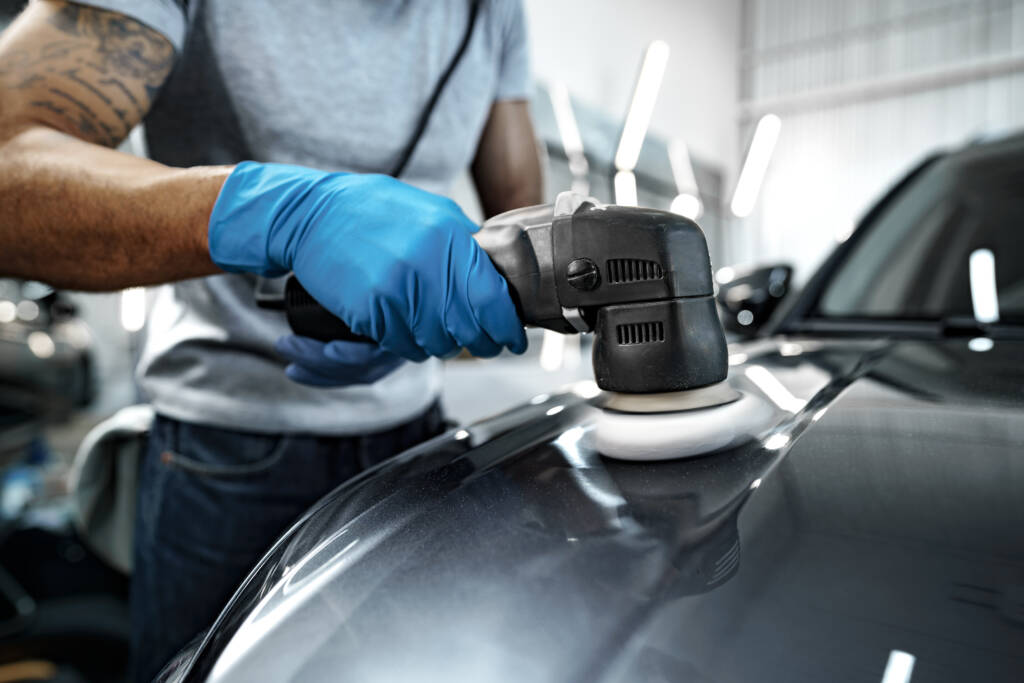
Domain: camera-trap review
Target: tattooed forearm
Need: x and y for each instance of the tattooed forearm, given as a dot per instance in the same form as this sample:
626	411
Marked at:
93	73
73	213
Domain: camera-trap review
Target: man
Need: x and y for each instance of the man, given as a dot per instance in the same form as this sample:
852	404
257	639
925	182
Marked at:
238	450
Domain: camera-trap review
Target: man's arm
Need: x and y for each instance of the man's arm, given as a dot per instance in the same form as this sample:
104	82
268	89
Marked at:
506	169
73	212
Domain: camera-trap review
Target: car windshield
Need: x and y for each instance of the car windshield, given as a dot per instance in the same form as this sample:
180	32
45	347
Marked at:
931	252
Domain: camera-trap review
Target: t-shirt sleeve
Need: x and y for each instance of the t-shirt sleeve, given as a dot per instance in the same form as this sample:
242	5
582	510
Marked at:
167	17
514	71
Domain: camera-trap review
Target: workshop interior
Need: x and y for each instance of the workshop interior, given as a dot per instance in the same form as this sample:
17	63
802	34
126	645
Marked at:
759	414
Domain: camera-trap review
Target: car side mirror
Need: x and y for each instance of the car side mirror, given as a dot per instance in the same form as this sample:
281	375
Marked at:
747	297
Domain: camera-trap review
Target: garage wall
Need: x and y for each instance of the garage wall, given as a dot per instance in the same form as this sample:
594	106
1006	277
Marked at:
864	89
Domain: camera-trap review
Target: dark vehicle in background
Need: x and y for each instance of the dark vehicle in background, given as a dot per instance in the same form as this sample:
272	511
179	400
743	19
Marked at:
874	530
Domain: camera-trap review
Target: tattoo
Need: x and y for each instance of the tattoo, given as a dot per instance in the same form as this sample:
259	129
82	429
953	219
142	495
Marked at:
99	80
121	114
88	127
114	83
44	104
28	82
88	121
126	47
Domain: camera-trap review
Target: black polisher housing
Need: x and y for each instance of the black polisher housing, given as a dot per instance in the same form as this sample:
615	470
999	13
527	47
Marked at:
640	279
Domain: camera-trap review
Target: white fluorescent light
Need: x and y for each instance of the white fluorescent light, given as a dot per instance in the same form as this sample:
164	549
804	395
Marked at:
565	119
625	188
688	206
572	142
645	94
687	203
899	667
682	168
552	350
133	309
984	295
756	165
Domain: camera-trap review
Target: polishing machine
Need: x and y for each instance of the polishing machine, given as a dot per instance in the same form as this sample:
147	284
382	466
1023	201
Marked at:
639	279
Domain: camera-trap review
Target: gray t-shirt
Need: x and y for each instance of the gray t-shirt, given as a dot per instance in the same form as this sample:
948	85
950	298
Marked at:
330	84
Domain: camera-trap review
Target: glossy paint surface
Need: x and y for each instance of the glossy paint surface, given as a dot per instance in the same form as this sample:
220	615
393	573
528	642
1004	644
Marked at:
881	511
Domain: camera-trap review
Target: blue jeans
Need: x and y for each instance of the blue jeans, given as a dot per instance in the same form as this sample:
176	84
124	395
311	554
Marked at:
212	501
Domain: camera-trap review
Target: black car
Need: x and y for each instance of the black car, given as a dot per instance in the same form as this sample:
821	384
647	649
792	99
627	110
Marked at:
870	529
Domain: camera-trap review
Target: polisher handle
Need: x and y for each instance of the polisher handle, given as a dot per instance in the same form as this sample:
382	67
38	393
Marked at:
502	238
308	318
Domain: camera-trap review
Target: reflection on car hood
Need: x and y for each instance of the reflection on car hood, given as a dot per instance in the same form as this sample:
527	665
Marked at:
882	511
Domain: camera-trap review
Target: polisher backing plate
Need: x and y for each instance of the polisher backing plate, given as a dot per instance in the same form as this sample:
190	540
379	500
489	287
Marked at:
685	433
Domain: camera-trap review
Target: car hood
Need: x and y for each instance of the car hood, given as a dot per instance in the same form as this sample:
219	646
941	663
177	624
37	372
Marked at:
880	511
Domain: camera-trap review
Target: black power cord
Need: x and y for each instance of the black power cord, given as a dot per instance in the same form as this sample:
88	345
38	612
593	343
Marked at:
421	125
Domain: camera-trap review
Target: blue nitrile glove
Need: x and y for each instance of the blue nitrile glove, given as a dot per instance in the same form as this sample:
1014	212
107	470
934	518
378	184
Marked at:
397	264
335	364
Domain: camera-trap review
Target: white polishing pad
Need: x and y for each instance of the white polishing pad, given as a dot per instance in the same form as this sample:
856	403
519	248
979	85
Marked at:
681	434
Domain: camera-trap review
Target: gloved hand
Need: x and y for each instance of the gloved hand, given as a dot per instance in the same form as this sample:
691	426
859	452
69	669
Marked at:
336	363
397	264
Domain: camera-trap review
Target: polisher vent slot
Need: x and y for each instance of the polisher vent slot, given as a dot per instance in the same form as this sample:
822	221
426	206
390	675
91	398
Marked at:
621	270
640	333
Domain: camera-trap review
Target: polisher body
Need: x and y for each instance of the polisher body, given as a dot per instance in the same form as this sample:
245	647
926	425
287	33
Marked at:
639	279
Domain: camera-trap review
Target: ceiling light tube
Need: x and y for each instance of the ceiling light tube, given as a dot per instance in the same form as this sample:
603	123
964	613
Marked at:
756	165
645	95
687	205
682	168
552	351
572	141
625	188
565	119
688	202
